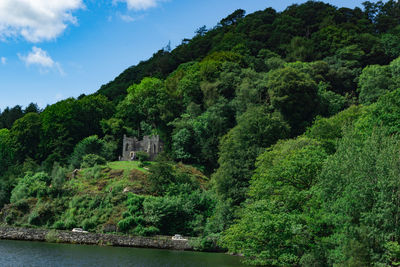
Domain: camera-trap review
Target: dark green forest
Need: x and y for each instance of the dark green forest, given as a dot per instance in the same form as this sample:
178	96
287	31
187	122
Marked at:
282	142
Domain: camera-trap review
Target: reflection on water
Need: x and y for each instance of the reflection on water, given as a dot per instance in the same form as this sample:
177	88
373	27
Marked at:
21	253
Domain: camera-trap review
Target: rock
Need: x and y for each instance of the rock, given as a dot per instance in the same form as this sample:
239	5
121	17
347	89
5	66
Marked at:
110	228
14	233
127	190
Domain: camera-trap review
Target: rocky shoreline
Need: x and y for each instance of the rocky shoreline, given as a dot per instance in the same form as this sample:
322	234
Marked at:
43	235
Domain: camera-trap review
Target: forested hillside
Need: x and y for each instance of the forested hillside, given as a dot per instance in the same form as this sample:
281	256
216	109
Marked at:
281	134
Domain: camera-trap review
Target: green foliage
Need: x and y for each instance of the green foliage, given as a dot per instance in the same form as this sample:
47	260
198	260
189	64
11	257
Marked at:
165	179
142	156
392	253
195	139
31	185
219	101
58	176
257	129
329	130
294	94
358	193
183	213
10	115
52	237
7	151
331	103
147	102
67	122
374	82
26	133
91	160
272	229
59	225
385	113
89	145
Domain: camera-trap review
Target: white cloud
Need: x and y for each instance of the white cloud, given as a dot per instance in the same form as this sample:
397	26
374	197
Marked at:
36	20
3	60
140	4
42	59
128	18
38	57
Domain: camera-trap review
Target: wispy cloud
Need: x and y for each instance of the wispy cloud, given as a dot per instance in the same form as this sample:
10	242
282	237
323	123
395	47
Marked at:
128	18
42	59
59	96
3	60
36	20
140	4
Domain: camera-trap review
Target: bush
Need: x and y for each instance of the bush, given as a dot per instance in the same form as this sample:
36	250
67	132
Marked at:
126	224
70	223
89	145
42	214
32	185
142	156
60	225
58	176
146	231
52	237
92	160
90	224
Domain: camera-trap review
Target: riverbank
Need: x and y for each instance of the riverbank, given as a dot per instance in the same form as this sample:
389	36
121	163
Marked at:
44	235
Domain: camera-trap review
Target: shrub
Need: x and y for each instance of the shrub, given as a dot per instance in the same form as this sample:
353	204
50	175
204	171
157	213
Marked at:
89	224
32	185
58	176
142	156
60	225
126	224
89	145
92	160
70	223
146	231
52	237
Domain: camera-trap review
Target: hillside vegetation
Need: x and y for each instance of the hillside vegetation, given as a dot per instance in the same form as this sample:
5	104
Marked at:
281	134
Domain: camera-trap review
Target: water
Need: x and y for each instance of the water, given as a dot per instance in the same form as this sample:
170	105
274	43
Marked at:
22	253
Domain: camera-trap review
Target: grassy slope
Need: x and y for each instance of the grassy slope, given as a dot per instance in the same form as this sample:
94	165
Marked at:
95	195
126	165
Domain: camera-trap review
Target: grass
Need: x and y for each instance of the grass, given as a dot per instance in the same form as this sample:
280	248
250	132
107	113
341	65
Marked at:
126	165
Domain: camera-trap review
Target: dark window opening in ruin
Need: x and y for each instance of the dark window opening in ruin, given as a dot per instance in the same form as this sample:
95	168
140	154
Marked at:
126	147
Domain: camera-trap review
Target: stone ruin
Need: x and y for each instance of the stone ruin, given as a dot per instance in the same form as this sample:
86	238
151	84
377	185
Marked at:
150	144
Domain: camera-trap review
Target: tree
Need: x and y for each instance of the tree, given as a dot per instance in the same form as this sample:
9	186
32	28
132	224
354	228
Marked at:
257	129
374	82
26	133
9	115
7	151
195	139
300	49
358	190
251	90
90	145
91	110
233	18
294	94
274	228
147	102
32	108
67	122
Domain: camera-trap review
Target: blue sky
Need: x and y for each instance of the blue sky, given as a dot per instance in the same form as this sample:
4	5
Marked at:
51	50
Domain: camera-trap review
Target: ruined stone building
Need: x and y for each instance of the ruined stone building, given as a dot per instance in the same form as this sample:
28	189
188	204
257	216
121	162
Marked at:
150	144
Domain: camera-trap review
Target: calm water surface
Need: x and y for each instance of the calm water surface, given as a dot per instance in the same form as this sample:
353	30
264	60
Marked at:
22	253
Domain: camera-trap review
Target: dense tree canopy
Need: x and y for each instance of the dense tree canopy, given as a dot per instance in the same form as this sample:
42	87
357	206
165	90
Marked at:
280	134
